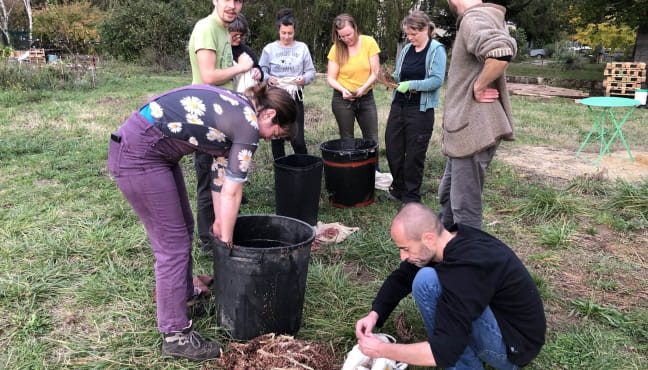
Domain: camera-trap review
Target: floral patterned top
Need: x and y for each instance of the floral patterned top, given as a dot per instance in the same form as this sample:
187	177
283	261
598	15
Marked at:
215	120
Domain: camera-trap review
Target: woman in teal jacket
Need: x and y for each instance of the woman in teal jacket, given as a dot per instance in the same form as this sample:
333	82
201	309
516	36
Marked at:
420	70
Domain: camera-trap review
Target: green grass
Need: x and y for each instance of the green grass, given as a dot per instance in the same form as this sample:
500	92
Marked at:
77	272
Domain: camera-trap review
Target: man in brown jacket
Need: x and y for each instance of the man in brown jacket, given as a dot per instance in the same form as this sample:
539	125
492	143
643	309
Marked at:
477	112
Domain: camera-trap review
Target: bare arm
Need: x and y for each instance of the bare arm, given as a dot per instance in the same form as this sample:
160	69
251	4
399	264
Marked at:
492	70
331	77
211	75
374	63
226	208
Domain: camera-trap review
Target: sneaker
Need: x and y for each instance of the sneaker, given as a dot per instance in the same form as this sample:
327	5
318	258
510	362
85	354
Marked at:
190	345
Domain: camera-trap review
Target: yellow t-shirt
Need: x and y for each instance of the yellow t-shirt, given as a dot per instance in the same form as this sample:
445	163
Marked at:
355	72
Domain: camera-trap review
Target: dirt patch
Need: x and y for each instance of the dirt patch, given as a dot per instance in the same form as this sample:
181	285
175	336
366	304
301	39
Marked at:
110	100
562	165
277	352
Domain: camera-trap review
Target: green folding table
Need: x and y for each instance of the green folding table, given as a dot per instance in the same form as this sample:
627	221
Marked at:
607	103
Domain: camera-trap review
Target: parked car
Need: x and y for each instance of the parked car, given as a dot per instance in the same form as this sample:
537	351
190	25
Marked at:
582	49
537	53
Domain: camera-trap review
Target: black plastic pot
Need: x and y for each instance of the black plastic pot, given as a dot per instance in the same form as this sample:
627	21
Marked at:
259	285
350	171
298	185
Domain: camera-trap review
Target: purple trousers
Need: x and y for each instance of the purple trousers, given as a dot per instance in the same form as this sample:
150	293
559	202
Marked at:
145	165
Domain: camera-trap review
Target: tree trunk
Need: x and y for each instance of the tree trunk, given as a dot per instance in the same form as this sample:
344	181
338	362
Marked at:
4	22
641	44
28	10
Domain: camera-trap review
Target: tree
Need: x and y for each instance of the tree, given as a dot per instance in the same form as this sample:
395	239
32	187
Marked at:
72	25
28	10
380	19
540	19
6	7
606	34
621	13
146	29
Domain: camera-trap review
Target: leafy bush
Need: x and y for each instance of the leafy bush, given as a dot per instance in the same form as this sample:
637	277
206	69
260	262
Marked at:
71	25
5	52
519	34
145	31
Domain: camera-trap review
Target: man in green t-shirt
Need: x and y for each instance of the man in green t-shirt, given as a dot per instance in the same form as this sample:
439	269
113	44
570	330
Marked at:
210	51
210	54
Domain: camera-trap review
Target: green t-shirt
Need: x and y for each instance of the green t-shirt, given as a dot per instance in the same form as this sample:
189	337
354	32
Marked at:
209	34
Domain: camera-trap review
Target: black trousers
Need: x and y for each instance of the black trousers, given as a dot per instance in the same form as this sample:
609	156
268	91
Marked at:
205	213
407	136
299	142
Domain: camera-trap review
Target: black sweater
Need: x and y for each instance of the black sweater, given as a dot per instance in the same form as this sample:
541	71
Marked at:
243	48
477	270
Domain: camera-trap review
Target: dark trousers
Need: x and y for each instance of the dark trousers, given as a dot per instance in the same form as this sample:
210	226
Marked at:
299	142
407	136
460	189
362	109
205	212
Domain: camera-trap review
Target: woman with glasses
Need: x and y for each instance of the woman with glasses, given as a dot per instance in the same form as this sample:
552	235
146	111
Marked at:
238	31
353	66
420	70
287	63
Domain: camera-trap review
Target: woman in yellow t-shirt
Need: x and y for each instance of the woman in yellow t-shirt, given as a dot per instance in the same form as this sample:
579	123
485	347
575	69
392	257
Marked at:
353	66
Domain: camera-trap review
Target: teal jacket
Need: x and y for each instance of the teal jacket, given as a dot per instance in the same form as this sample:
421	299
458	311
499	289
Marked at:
435	64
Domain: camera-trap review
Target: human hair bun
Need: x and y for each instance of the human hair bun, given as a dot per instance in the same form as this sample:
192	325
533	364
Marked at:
285	12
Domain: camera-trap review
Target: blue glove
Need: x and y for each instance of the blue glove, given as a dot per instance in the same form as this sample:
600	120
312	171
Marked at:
403	87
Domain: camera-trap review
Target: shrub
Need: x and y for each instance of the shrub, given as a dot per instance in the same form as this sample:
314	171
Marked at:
5	52
519	34
145	30
72	25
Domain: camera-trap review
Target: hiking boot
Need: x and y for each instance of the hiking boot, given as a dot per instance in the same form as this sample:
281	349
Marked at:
190	345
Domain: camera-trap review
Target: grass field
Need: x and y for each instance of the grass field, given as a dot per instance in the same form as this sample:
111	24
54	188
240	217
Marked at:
77	271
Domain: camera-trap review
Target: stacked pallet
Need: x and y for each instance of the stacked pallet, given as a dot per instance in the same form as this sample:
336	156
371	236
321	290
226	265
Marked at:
36	56
622	79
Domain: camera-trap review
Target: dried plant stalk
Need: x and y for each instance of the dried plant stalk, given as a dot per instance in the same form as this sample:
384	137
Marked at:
385	78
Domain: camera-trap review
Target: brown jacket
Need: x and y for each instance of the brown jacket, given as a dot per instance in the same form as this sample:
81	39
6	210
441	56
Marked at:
470	127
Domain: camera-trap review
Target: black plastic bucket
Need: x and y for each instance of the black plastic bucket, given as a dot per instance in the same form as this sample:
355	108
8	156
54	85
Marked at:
298	184
259	284
350	171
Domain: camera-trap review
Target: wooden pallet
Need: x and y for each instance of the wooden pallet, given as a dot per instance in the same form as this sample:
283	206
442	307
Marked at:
609	91
36	56
623	78
626	65
626	78
622	85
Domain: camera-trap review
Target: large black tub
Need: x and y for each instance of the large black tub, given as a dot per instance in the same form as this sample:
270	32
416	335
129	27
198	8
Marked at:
350	171
298	185
259	284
